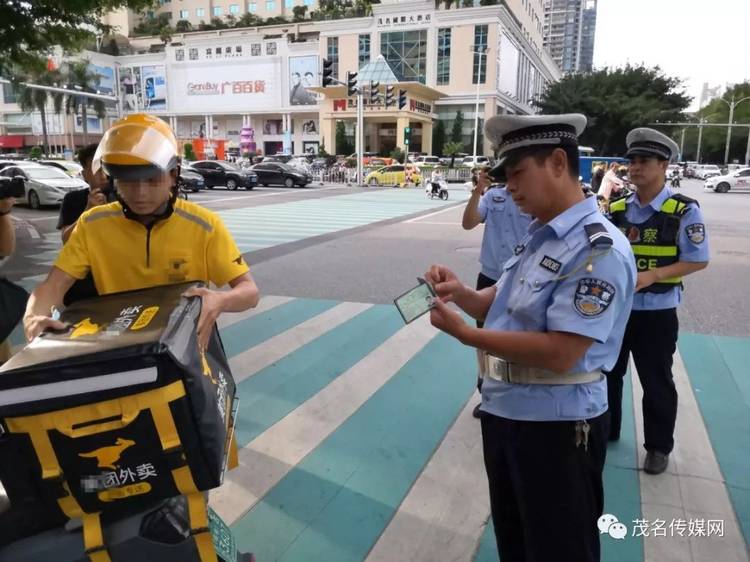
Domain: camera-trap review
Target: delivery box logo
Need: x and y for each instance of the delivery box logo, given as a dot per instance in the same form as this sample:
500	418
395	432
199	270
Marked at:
84	328
107	456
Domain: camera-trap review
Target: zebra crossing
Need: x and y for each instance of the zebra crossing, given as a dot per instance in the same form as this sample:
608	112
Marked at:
357	444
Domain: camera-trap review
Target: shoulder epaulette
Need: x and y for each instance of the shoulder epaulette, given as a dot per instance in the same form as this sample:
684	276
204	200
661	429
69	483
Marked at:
598	235
684	199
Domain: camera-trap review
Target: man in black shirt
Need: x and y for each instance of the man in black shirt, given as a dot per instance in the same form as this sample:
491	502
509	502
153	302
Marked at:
74	204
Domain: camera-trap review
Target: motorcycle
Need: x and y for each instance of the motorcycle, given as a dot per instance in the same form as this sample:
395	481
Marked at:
675	181
437	189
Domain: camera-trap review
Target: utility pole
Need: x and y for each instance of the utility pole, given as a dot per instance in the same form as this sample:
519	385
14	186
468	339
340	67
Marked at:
732	104
700	139
479	52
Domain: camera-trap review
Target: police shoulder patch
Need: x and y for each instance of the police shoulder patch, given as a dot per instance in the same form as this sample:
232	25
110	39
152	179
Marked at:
696	232
593	296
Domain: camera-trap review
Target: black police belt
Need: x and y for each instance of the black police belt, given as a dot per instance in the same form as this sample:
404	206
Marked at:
513	373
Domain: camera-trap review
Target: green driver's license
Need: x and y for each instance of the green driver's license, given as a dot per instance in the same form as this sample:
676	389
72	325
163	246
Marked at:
415	302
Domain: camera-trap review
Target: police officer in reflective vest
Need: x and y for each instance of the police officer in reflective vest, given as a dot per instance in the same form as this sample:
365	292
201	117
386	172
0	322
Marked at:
668	235
552	323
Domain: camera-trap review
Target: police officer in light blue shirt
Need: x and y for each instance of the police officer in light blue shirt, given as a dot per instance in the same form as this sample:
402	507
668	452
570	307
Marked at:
504	227
553	323
668	236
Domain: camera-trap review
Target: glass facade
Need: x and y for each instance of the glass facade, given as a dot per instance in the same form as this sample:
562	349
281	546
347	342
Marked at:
406	51
479	76
333	54
364	50
444	56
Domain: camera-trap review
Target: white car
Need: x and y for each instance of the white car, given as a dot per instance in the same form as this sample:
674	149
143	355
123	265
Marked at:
73	169
44	185
472	162
706	171
427	160
735	180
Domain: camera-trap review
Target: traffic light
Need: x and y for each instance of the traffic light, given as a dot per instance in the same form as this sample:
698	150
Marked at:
390	96
401	99
327	72
374	92
351	84
407	135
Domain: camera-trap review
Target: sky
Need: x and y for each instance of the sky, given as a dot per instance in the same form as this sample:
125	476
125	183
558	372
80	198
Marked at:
697	40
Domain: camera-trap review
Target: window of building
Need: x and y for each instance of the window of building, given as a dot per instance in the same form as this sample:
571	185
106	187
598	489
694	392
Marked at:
179	54
255	49
209	52
10	95
444	56
289	4
406	51
270	6
200	12
184	14
169	15
271	48
234	8
364	50
252	7
193	54
332	51
479	76
218	10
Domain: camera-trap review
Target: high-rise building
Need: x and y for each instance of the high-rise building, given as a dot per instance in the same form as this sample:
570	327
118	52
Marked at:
569	27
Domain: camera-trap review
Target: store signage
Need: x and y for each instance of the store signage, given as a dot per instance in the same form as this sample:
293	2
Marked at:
404	21
220	88
420	107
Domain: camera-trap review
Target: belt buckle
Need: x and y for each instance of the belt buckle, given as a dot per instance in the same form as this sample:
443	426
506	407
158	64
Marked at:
502	369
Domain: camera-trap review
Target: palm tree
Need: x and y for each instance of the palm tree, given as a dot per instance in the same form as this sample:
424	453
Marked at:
78	76
34	99
451	149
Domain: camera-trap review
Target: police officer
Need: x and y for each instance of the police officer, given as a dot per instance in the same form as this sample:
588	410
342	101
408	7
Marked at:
668	236
553	322
504	227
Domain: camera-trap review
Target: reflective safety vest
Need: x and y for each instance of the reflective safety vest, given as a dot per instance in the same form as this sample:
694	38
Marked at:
654	241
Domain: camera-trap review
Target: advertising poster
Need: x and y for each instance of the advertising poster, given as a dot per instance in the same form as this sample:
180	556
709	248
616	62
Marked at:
309	127
154	87
303	73
131	96
310	147
94	124
105	79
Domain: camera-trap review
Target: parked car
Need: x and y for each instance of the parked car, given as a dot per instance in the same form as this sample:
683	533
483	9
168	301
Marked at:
391	175
276	173
368	157
217	172
190	179
44	185
734	180
428	160
472	162
706	171
73	169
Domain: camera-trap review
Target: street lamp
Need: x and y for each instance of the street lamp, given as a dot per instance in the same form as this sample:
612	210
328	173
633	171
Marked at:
731	105
479	52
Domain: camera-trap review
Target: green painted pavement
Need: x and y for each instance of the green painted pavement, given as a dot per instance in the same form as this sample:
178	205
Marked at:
487	551
249	332
272	393
719	369
335	504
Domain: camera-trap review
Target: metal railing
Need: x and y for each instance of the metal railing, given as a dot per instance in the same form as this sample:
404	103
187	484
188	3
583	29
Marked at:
349	175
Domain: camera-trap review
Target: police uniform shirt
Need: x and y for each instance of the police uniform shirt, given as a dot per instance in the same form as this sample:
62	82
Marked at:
192	244
532	297
692	243
504	227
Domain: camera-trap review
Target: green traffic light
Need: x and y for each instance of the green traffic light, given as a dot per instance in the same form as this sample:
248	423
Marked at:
407	130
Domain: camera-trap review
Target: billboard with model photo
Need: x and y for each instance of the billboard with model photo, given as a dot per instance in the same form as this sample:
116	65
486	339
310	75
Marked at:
303	73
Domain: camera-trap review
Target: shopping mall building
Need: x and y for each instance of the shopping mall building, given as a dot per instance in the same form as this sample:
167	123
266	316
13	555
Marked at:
210	85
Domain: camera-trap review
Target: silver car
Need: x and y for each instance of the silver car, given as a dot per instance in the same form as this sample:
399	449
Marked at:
44	185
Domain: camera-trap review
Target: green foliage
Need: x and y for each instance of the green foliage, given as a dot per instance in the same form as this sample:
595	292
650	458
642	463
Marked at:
152	25
714	138
398	155
165	34
183	26
299	13
190	153
451	149
438	138
36	152
343	144
616	101
33	99
457	131
77	76
33	28
249	20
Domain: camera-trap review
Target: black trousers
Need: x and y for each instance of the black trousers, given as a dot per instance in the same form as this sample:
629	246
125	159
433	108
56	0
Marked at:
482	283
546	493
651	336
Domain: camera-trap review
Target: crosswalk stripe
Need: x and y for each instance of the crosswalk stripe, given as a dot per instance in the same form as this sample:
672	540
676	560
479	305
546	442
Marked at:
270	456
443	515
265	304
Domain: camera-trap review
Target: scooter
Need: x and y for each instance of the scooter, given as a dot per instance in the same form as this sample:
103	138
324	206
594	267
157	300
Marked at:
437	189
675	181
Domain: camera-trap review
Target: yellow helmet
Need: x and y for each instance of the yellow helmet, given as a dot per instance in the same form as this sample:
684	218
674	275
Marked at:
138	146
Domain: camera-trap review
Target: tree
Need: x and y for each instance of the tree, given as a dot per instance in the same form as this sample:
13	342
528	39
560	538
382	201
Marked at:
33	99
183	26
299	13
438	138
32	29
189	153
616	101
249	20
714	138
457	132
451	149
343	145
152	25
77	76
398	155
165	35
36	153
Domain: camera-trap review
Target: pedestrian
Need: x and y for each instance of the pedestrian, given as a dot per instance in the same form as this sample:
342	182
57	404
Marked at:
611	185
597	177
668	236
553	322
504	227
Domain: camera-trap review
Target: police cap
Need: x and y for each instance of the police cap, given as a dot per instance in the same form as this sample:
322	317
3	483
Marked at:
650	143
